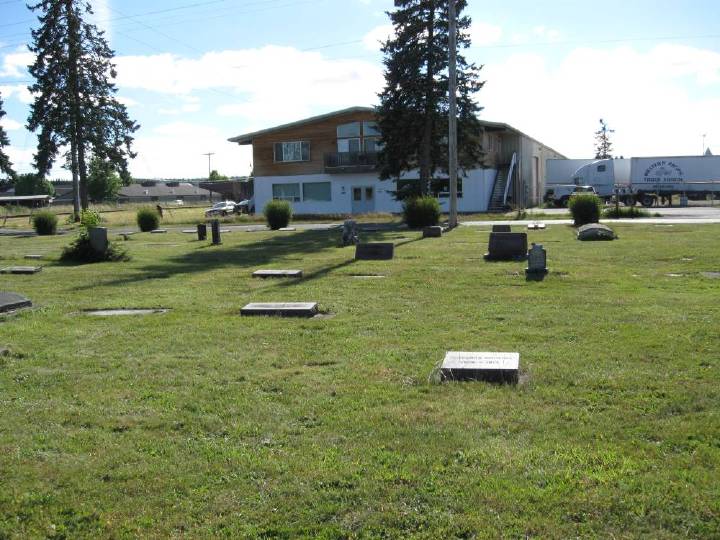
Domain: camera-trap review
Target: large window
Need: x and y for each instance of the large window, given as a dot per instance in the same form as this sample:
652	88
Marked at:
317	191
348	130
358	137
292	151
286	192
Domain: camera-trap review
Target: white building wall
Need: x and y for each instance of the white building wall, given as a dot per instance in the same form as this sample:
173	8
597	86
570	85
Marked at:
477	189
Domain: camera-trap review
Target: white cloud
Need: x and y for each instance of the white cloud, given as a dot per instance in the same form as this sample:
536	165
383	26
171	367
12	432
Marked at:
652	99
20	91
102	16
15	64
9	124
374	39
483	34
545	33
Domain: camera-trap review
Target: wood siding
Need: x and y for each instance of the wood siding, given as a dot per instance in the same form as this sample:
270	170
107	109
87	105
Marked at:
322	137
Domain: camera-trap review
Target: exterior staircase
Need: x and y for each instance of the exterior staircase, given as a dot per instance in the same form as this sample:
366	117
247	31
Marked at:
498	199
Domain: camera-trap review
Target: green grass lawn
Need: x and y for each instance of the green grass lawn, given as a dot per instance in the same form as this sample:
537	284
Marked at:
202	423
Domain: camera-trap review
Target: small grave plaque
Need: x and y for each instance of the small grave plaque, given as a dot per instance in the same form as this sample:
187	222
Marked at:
21	270
376	251
287	229
501	228
536	226
159	231
277	273
537	261
12	301
481	366
34	257
506	246
433	232
281	309
98	239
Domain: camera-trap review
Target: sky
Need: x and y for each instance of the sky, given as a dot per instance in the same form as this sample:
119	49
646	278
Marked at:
195	72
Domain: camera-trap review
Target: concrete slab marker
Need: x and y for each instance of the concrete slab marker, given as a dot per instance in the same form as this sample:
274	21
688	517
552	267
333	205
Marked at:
376	251
120	312
281	309
21	270
12	301
277	273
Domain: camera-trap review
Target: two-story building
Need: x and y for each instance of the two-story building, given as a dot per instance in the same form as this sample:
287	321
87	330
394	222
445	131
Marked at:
327	165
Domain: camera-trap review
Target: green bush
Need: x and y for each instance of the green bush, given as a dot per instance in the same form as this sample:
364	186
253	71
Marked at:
148	219
625	212
421	212
585	208
81	251
45	223
278	214
90	219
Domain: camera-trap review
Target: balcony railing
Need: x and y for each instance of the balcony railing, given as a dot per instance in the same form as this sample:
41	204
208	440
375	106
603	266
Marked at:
350	161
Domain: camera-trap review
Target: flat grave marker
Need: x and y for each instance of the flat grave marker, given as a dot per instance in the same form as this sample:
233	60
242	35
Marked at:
537	226
12	301
21	270
287	229
34	257
159	231
277	273
501	367
119	312
501	228
281	309
375	251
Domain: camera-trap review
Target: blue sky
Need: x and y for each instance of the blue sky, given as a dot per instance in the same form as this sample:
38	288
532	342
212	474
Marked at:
195	72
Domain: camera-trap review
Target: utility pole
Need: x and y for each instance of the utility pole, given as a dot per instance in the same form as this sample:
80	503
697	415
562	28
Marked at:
703	146
209	155
452	116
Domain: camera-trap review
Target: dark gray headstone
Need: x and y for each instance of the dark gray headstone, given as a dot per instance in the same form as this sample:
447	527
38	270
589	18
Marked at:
21	270
433	232
375	251
202	231
537	260
507	247
281	309
595	231
277	273
215	229
98	239
501	228
12	301
481	366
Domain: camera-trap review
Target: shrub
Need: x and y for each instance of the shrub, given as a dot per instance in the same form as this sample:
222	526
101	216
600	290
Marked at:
585	208
45	223
80	250
421	212
148	219
626	212
278	214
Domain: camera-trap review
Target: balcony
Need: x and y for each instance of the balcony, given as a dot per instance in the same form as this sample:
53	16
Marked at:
350	162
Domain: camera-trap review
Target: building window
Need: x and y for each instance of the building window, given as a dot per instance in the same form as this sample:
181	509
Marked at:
372	144
292	151
317	191
349	145
368	194
357	194
345	131
358	137
601	168
286	192
370	129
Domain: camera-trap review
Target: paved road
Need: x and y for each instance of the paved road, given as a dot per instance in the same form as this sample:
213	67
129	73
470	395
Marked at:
689	212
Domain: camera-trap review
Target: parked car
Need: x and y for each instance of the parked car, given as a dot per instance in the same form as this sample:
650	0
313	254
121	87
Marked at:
559	195
221	209
245	207
179	202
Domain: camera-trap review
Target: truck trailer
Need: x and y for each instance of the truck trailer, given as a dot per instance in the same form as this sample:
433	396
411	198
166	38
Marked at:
648	179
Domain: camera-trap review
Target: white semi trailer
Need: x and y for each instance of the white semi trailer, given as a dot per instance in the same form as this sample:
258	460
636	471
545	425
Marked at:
648	179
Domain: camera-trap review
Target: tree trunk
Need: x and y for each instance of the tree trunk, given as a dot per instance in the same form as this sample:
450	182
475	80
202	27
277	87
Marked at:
77	139
425	172
76	185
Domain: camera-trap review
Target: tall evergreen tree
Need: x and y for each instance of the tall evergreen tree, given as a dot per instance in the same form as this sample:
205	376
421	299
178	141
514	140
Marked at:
6	167
603	144
75	107
413	110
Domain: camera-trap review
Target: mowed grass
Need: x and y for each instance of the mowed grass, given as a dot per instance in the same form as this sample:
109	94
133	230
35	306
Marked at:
202	423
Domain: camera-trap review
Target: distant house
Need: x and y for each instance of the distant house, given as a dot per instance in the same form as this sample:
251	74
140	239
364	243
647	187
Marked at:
153	191
327	164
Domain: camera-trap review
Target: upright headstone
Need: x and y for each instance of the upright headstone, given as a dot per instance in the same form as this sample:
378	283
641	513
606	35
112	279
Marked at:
202	231
376	251
349	233
98	239
506	246
215	227
501	228
433	232
537	261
